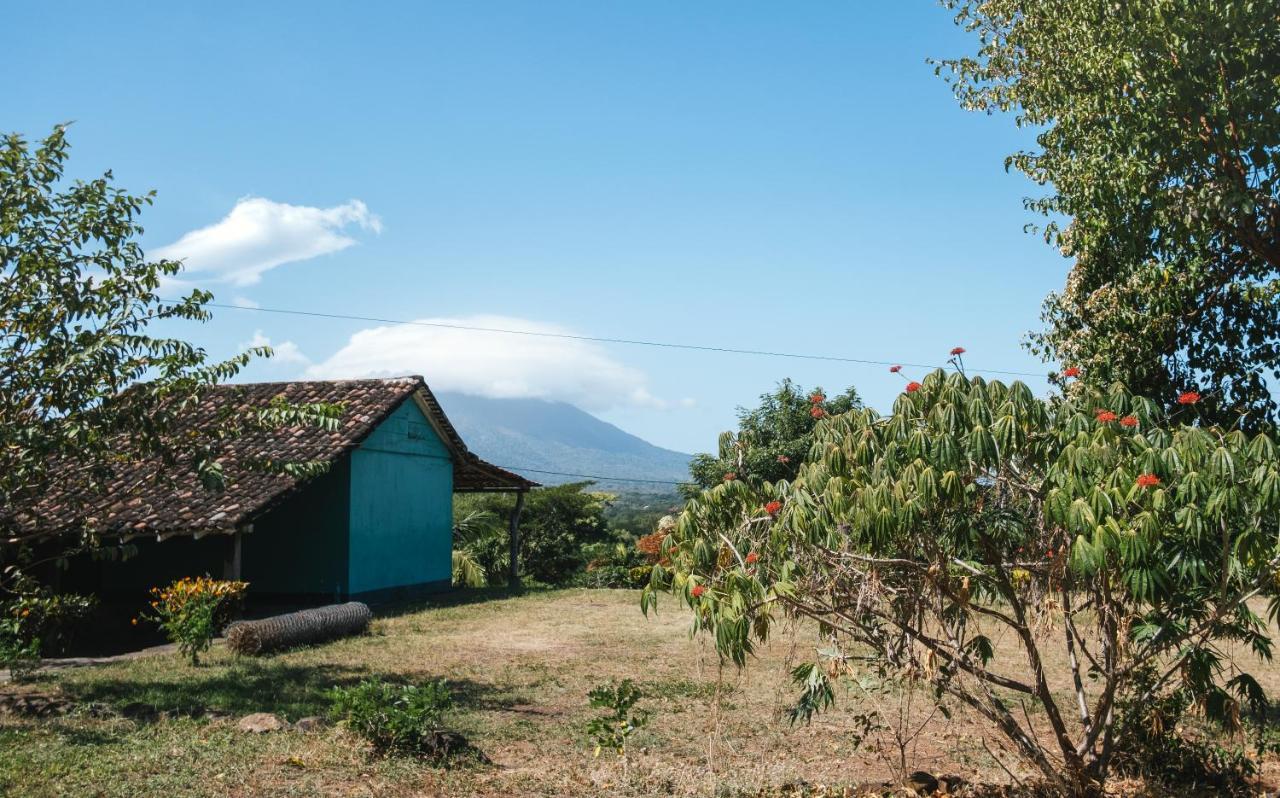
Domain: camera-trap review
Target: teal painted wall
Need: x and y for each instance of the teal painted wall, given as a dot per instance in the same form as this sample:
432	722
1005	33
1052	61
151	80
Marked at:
300	546
401	506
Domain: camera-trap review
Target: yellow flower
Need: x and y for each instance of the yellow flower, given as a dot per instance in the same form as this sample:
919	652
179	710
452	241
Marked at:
134	622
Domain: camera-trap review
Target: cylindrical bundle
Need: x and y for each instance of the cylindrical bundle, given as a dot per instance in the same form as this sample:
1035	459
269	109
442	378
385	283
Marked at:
298	628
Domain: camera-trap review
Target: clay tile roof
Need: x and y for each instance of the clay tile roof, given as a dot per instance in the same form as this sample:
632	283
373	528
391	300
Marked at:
138	504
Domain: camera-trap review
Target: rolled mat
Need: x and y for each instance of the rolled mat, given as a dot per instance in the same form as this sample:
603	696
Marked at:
298	628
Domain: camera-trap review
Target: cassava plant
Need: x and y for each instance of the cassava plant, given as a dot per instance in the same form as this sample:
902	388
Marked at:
1017	553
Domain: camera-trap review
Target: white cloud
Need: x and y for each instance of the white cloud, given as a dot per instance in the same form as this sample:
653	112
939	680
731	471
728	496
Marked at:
285	352
245	302
493	364
259	235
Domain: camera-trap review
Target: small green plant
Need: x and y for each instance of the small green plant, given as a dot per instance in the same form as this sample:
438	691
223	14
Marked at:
613	729
192	611
398	718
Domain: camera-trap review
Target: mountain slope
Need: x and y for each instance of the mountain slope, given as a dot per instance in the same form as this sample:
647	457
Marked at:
523	434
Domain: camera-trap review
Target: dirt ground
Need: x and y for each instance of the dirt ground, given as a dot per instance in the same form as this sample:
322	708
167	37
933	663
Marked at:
520	669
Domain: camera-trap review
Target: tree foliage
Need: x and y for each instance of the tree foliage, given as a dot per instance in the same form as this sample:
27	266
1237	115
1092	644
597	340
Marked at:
978	531
556	525
1160	142
773	438
85	385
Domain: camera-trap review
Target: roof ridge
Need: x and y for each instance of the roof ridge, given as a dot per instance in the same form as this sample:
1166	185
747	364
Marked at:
415	378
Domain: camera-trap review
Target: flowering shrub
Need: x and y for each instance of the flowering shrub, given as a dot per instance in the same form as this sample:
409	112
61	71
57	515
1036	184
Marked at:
1188	398
30	622
1071	371
192	611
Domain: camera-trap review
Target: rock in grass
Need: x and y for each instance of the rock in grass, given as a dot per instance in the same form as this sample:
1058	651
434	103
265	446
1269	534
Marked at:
309	724
260	723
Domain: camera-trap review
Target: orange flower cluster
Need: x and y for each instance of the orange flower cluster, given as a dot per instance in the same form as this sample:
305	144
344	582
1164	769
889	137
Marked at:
650	546
178	594
1148	481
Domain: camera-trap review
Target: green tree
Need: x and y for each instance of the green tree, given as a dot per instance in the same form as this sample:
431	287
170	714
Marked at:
84	385
556	525
943	541
773	438
1159	140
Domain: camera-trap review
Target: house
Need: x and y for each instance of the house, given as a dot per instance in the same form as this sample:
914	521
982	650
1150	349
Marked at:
377	524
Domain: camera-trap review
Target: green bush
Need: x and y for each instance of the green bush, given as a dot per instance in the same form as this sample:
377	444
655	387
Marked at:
396	718
556	526
33	623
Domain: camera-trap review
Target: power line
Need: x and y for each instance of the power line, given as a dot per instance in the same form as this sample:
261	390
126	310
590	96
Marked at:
604	340
595	476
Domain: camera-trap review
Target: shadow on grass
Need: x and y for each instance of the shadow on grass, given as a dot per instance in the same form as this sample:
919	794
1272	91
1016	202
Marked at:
458	597
291	691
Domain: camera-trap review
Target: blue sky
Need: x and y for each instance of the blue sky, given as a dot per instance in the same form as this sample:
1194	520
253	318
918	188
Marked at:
754	175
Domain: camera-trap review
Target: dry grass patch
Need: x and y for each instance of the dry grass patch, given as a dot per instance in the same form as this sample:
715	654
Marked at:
520	669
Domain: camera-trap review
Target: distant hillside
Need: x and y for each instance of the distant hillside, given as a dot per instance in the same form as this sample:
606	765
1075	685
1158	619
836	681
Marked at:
556	436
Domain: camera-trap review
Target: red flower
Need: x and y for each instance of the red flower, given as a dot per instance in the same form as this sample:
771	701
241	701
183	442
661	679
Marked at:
773	507
912	387
1105	416
729	477
1129	421
895	369
1071	371
817	412
1048	555
1188	398
816	397
752	558
1148	481
698	590
959	350
782	458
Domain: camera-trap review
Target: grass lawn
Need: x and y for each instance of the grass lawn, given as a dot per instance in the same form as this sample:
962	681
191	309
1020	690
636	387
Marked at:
520	669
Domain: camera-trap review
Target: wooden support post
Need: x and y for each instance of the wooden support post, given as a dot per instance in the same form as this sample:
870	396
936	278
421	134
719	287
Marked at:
513	575
231	565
